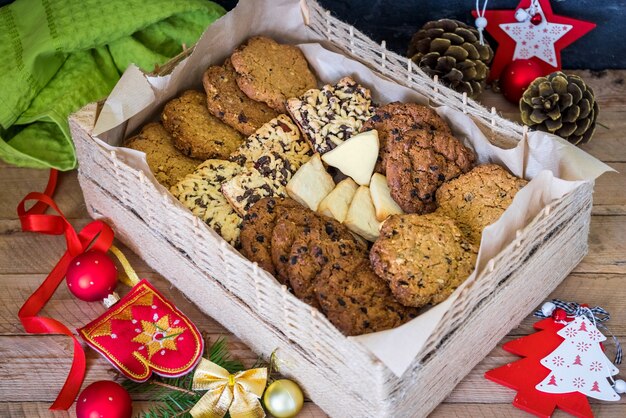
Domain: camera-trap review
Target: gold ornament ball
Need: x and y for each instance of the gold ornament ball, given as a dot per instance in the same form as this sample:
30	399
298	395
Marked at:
283	399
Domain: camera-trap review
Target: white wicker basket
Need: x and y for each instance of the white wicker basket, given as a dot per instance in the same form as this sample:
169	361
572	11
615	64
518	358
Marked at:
339	374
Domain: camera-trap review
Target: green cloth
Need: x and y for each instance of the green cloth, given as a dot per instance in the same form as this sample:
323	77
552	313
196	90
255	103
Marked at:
58	55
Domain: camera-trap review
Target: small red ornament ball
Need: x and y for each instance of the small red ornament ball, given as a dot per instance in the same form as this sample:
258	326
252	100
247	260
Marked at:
104	399
517	76
91	276
559	315
536	19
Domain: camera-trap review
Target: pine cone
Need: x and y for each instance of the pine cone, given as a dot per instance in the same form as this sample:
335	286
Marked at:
560	104
451	50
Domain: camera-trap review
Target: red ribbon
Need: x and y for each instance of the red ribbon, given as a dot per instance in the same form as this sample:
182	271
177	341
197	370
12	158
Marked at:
96	235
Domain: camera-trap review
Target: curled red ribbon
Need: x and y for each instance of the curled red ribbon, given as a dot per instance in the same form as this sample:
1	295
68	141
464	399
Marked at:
96	235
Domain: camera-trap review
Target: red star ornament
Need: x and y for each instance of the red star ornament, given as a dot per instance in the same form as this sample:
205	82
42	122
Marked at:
524	40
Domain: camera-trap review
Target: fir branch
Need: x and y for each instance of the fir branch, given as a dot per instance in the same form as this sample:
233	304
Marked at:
218	353
173	387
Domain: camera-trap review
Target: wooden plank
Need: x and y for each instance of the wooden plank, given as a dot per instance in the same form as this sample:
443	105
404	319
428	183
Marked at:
609	197
310	410
607	247
46	360
40	409
606	290
465	410
32	253
15	289
16	182
607	143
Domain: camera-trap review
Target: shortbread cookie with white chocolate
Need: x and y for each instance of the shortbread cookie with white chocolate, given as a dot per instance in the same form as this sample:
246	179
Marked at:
332	114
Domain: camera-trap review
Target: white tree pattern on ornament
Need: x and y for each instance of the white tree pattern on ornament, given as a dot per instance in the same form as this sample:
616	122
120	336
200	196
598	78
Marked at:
579	364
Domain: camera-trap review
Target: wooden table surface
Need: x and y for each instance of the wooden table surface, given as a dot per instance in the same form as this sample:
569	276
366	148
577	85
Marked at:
33	368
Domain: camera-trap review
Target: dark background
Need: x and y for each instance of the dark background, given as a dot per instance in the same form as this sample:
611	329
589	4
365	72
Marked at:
396	20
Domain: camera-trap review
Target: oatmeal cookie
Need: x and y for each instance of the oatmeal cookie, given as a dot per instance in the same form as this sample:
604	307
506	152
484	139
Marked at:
356	300
423	257
419	161
478	198
332	114
226	101
270	72
167	163
200	192
196	132
394	119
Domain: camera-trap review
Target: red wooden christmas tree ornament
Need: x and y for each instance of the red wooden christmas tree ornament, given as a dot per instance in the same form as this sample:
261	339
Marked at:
523	375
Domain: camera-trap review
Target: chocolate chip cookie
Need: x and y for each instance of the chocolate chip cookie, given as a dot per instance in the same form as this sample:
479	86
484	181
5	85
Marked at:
310	253
418	162
257	227
168	164
200	192
196	132
394	119
423	257
226	101
478	198
270	72
356	300
294	224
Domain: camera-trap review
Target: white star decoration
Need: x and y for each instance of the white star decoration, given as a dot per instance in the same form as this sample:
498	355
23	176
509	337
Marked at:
536	41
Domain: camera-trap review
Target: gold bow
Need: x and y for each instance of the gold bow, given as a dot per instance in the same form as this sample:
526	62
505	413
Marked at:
237	393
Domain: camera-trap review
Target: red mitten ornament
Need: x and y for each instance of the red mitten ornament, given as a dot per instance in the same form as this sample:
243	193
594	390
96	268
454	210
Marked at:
145	333
523	375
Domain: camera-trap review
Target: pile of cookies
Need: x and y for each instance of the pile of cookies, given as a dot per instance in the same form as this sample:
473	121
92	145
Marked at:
323	263
222	149
366	212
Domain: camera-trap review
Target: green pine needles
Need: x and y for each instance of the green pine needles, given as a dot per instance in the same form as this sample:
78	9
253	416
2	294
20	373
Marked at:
174	397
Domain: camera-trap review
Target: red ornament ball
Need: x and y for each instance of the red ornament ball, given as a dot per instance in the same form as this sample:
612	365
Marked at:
91	276
104	399
517	76
536	19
